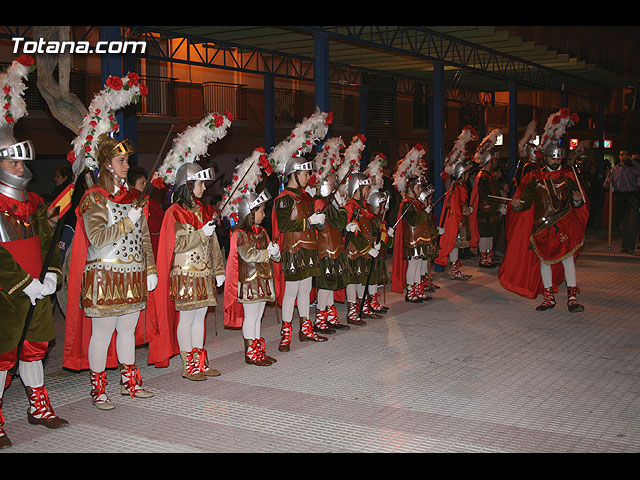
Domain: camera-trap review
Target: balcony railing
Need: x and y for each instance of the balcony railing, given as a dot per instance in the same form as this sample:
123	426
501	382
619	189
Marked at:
225	97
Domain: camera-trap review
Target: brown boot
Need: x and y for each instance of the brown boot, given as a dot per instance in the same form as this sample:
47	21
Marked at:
572	300
253	353
41	412
285	334
263	349
353	314
190	369
549	300
202	361
131	382
4	440
306	333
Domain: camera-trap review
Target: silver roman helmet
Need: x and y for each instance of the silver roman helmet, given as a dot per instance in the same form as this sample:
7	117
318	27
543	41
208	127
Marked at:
296	164
554	150
251	201
377	198
356	181
459	170
10	149
191	172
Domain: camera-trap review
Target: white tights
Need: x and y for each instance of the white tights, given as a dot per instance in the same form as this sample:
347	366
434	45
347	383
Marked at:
252	319
485	244
325	299
31	373
190	331
301	291
414	271
101	333
569	273
453	255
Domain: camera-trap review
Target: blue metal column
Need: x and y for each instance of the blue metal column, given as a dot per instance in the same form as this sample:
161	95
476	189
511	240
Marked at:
437	136
437	130
364	123
321	73
269	113
111	65
513	130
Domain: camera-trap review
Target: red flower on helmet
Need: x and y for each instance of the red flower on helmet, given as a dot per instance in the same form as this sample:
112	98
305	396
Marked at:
26	60
575	118
229	115
329	119
114	82
564	112
134	78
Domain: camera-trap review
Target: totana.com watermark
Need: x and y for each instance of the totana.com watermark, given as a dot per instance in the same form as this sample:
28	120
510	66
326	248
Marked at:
22	45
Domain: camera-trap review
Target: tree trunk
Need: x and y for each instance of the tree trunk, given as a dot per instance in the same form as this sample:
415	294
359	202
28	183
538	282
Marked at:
65	106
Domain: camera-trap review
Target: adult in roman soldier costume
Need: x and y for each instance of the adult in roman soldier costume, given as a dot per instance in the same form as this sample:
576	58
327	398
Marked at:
112	267
249	285
486	212
25	237
331	250
413	236
294	228
550	214
190	264
378	201
453	226
530	156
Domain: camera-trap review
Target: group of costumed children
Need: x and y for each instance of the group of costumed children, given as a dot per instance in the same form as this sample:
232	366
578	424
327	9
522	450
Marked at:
331	234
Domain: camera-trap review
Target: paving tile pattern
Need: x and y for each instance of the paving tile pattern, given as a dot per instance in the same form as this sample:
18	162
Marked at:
475	370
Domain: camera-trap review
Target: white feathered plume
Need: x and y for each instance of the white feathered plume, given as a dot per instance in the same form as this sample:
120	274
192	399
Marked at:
194	142
410	166
487	144
374	170
459	151
327	160
352	158
13	87
246	178
529	133
301	140
101	118
556	126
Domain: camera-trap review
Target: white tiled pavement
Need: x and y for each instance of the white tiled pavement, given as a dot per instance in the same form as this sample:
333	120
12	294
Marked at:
475	370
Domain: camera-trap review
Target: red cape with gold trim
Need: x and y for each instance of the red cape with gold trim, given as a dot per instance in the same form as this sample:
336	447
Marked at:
165	345
520	268
78	326
450	219
399	264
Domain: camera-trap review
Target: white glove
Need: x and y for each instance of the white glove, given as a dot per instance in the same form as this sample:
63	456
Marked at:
441	230
34	290
351	227
390	231
317	219
274	249
134	215
50	284
152	282
220	280
428	208
377	246
503	209
209	228
374	252
470	210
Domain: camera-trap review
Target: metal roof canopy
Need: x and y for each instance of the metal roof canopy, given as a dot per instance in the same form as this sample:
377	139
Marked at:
477	58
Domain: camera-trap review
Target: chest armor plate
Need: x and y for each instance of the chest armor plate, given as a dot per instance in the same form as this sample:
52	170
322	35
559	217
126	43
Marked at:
330	241
551	199
198	260
294	241
13	228
247	271
124	255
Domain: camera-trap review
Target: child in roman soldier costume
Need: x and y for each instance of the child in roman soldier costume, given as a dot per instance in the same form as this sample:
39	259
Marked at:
331	251
190	261
358	241
453	226
25	239
414	235
112	269
294	227
249	285
378	201
486	211
550	213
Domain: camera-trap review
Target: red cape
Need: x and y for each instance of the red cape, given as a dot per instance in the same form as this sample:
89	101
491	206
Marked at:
520	268
450	219
399	264
473	217
233	310
165	345
78	326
